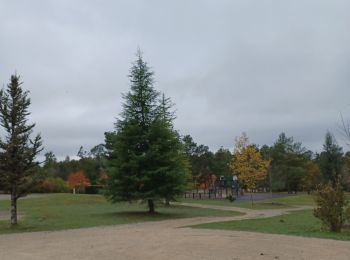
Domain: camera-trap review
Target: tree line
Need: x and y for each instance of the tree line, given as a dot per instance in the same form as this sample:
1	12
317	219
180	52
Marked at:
145	158
292	167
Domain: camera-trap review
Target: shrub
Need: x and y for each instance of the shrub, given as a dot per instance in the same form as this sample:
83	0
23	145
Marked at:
52	185
93	189
332	207
231	198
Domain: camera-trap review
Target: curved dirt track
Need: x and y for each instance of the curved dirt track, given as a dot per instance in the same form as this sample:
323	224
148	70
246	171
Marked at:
169	240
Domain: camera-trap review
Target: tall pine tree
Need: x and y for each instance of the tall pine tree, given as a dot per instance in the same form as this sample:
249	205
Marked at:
144	154
330	159
17	149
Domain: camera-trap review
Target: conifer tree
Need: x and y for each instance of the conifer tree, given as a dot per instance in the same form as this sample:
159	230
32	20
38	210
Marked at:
144	154
165	112
17	149
330	159
288	164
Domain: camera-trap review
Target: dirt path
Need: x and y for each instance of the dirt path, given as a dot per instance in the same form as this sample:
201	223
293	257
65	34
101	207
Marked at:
167	240
248	213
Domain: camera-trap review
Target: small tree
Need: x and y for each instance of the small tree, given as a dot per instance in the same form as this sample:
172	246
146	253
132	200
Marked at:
248	164
332	207
77	181
17	149
312	177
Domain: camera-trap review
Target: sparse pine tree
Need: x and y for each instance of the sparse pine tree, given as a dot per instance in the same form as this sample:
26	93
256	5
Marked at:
17	149
330	159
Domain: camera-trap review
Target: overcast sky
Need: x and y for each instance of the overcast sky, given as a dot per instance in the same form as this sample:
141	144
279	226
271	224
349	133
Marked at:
229	66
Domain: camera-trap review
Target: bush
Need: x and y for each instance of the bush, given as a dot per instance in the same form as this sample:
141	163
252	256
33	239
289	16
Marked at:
93	189
52	185
231	198
332	207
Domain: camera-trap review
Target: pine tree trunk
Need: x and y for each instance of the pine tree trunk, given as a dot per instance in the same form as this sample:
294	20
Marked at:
251	197
13	208
151	206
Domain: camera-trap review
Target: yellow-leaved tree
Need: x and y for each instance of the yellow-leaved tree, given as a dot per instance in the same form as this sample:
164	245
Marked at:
248	165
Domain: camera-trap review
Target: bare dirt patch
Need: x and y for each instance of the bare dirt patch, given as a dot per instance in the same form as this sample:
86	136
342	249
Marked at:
169	240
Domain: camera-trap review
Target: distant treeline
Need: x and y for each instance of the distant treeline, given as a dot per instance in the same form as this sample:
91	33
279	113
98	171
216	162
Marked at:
292	167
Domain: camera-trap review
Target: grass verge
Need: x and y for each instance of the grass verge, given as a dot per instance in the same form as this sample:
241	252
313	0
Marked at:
298	223
275	203
227	203
67	211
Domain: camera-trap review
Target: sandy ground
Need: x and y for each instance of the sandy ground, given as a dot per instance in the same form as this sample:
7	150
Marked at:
169	240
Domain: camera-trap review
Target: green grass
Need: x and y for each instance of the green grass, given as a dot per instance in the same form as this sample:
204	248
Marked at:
297	200
298	223
257	205
67	211
301	199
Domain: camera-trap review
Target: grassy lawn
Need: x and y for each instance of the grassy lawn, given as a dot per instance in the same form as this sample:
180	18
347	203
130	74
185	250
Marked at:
67	211
269	204
301	199
298	223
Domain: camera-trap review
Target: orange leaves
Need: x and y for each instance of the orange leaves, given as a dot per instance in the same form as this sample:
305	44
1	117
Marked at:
78	180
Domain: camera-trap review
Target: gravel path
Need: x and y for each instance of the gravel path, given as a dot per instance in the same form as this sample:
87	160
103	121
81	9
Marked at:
170	240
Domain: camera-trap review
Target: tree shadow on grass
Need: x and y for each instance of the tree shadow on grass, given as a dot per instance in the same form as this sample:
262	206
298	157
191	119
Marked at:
274	204
5	227
267	205
141	215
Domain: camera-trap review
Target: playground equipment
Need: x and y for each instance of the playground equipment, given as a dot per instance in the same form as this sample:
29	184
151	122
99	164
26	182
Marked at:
217	188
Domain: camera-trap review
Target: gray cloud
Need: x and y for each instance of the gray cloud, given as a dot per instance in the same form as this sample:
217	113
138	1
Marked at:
230	66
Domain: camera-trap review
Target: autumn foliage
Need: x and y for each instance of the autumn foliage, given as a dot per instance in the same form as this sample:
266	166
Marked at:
332	206
78	181
312	177
247	164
